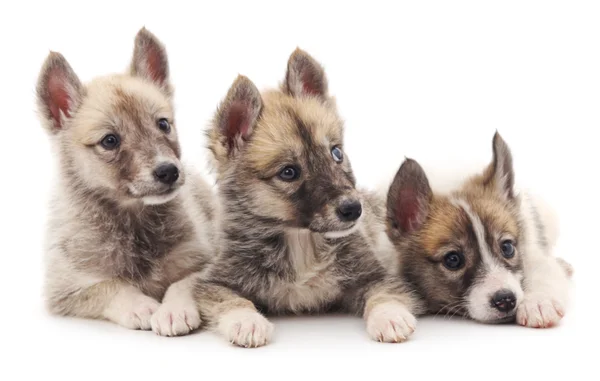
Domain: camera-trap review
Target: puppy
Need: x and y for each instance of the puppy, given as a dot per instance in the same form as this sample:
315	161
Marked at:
481	251
297	234
129	227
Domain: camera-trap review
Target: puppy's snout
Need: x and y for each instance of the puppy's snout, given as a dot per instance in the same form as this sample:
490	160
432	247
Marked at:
349	210
504	301
166	173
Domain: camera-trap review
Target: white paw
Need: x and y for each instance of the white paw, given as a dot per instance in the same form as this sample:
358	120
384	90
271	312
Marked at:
245	327
175	319
132	311
539	311
390	322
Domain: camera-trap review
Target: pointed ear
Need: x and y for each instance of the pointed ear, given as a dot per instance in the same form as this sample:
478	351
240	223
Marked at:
500	174
409	198
305	76
59	92
237	114
150	60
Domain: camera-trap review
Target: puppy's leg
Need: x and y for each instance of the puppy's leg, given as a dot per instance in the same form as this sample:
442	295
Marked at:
545	277
546	286
232	316
130	308
388	316
178	313
113	300
388	308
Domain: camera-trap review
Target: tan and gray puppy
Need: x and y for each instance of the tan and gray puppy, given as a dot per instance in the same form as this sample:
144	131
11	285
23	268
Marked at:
298	235
481	251
129	226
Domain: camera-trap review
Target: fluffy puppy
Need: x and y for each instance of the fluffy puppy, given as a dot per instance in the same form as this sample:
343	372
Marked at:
481	251
297	234
129	226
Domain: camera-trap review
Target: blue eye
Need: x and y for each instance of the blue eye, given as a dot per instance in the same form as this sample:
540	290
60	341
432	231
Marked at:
508	249
110	142
454	260
289	173
164	125
337	154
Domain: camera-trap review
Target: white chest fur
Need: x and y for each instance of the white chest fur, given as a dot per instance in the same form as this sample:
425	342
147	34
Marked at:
315	284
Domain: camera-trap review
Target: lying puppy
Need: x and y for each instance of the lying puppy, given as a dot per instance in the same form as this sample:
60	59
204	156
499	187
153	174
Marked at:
128	223
297	235
481	251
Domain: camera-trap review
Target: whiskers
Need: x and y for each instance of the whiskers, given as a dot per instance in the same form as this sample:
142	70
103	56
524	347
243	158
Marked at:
455	307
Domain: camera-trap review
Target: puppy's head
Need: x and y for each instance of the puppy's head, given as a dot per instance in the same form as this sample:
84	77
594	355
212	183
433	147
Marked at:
281	154
115	135
461	251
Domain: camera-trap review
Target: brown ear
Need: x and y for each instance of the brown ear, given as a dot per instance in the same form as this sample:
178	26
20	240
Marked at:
150	60
238	113
500	174
305	76
409	198
59	92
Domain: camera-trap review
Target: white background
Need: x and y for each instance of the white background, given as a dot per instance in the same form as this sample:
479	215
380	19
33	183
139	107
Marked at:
430	80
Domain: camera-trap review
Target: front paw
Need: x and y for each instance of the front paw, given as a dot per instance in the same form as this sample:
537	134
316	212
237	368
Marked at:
390	322
133	312
539	312
176	318
245	327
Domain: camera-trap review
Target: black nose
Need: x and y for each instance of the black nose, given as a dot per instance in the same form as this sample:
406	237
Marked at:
504	301
166	173
349	210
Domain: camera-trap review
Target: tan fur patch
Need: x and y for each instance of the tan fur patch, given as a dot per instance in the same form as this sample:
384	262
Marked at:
277	138
446	221
490	206
441	225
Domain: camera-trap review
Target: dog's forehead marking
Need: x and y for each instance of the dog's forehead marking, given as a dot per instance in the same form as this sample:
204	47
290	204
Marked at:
115	102
479	230
293	128
322	120
446	223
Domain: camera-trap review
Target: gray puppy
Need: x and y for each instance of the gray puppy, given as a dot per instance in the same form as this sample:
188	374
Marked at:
297	234
129	226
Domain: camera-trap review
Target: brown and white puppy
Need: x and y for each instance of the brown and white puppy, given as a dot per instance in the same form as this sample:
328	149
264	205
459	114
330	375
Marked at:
129	226
481	251
297	234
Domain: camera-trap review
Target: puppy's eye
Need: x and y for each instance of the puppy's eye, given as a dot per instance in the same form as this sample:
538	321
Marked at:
110	142
164	125
337	154
454	260
508	249
289	173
